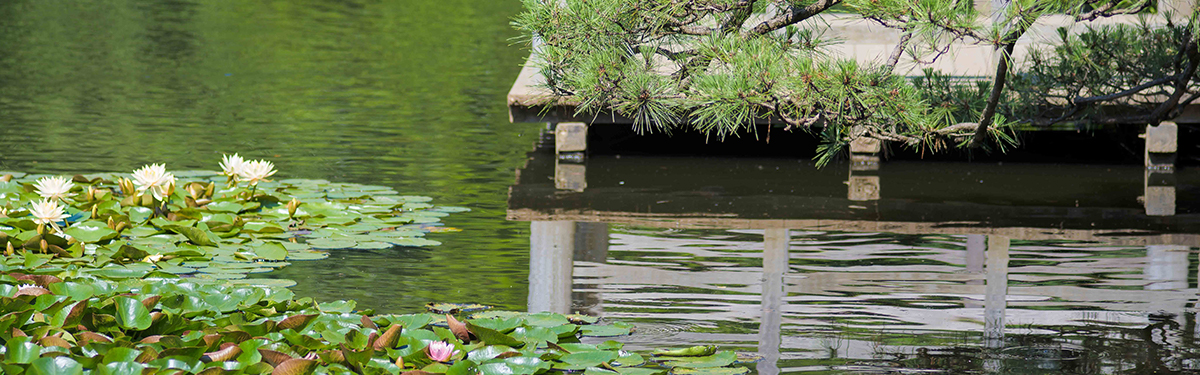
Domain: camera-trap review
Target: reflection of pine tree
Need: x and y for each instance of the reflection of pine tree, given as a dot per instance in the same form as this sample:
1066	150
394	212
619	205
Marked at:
717	65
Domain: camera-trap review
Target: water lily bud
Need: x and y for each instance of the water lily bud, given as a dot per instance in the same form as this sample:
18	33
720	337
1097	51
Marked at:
208	191
44	245
8	248
126	186
41	229
111	224
203	202
195	190
96	207
170	191
6	178
292	205
90	193
119	227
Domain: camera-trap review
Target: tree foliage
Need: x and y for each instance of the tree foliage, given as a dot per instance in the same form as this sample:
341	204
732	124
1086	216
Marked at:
717	66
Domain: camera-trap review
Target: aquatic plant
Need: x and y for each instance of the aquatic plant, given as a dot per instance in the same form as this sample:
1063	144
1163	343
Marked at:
135	283
141	224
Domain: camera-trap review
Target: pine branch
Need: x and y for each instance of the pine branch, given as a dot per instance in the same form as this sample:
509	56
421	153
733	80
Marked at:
790	16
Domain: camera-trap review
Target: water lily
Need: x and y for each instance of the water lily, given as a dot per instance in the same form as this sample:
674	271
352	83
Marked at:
47	212
53	187
154	178
232	165
440	351
255	171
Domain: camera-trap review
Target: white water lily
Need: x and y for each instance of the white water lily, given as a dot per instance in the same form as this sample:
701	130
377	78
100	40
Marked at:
232	165
255	171
47	212
154	178
53	187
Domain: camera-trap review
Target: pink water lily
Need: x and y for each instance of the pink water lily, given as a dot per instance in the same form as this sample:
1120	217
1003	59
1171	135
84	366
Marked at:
440	351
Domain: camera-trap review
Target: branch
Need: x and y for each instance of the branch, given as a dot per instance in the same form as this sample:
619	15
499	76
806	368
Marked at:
1131	91
895	57
1107	10
989	112
1181	84
791	15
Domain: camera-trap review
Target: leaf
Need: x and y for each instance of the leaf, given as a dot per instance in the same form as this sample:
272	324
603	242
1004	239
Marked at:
736	370
296	322
295	366
493	337
458	328
202	237
389	338
131	314
721	359
90	232
273	357
699	350
120	368
54	366
271	251
616	329
222	355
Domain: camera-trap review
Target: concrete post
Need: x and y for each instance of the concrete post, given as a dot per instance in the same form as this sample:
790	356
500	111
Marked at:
570	137
551	245
775	267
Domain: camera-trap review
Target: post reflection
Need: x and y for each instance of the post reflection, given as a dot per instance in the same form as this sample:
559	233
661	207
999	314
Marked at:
826	283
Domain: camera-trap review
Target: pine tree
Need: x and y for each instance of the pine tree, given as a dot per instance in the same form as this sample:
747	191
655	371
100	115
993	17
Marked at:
718	65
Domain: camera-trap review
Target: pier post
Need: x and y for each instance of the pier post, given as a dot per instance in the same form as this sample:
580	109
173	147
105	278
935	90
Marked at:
1162	142
570	137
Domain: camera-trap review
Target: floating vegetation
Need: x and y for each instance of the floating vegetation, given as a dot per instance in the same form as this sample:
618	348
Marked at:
78	322
110	275
213	225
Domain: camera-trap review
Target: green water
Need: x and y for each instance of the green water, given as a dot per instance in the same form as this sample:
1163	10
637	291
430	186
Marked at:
410	94
405	94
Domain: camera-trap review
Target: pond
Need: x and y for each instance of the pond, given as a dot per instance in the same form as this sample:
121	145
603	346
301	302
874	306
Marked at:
951	267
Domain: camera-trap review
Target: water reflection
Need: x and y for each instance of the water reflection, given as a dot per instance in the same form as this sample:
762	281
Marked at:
777	258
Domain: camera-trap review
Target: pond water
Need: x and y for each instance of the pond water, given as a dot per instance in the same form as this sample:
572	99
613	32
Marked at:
931	267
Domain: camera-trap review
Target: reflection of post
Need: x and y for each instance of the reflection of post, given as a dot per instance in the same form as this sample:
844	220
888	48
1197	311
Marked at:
570	176
976	245
1158	192
591	245
995	300
864	159
775	266
1166	267
550	256
996	290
